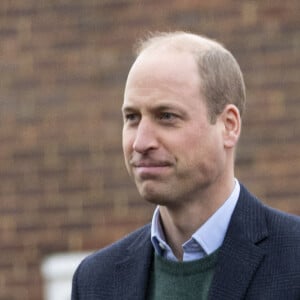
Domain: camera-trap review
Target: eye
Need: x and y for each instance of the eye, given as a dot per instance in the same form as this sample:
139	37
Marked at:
167	116
131	117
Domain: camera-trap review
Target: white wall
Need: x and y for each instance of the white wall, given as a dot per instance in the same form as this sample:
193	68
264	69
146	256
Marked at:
57	272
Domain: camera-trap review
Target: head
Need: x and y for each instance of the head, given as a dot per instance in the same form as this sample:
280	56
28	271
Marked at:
222	81
182	103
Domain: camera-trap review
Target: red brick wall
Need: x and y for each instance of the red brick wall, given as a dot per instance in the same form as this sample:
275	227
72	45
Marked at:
63	64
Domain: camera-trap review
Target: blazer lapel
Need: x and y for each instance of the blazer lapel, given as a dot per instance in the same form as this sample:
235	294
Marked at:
131	274
240	254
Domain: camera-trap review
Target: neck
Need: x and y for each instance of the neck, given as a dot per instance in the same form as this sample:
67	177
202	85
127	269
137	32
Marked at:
181	221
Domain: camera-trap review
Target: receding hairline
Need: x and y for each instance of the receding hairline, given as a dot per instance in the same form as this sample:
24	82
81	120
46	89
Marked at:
178	40
221	79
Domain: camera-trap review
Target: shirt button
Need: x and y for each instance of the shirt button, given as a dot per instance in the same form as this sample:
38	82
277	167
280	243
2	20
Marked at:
162	246
195	246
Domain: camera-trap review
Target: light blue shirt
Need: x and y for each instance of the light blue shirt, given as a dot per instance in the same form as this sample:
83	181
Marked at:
208	238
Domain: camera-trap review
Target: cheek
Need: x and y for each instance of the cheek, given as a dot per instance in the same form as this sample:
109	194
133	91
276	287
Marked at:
127	141
127	157
200	149
127	146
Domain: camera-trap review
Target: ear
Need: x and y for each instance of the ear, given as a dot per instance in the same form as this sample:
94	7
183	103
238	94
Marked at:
232	125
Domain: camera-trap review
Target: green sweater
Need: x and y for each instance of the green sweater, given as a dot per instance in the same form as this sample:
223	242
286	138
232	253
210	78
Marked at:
171	280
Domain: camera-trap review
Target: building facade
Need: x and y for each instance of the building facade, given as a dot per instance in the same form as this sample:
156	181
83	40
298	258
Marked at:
63	65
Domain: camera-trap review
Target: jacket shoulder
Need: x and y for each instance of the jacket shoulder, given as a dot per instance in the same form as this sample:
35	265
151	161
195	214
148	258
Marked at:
96	273
283	224
254	216
107	257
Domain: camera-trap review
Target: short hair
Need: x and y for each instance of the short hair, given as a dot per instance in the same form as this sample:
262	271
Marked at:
221	78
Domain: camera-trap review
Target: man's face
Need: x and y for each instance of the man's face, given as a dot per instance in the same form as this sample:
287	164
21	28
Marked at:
171	149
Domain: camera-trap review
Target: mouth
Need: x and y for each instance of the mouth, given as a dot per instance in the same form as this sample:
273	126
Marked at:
150	164
150	169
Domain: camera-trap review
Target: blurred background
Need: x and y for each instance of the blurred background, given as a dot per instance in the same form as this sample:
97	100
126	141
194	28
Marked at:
63	65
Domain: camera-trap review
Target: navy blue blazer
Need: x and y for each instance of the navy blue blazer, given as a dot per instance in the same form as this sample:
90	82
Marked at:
258	260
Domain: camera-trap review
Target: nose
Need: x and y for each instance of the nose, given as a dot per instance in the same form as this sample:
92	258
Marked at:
145	137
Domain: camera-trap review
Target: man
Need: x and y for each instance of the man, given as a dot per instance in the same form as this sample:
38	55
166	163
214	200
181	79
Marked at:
209	237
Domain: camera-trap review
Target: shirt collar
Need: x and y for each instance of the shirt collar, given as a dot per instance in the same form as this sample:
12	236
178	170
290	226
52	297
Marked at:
157	234
209	237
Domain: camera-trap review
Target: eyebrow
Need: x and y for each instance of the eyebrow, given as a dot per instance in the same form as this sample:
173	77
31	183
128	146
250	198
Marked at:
161	106
127	108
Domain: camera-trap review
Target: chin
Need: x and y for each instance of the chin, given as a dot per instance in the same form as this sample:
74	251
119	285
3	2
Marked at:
157	198
155	193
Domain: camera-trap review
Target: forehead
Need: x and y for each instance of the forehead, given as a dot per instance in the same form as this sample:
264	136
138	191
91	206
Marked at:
159	77
164	64
168	70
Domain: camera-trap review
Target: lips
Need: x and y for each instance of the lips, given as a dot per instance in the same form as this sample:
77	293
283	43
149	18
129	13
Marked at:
146	169
150	164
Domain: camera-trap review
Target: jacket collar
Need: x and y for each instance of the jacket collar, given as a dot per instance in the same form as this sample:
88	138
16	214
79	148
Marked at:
131	274
240	255
238	259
